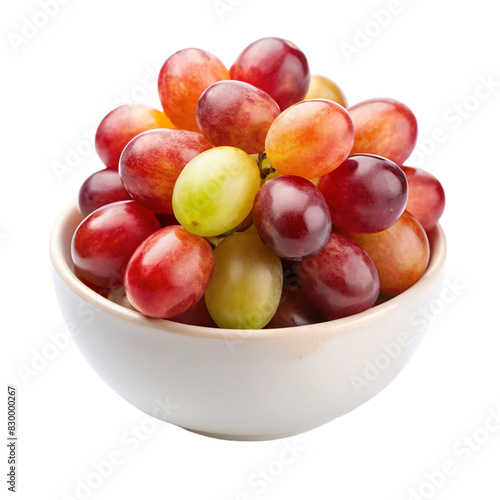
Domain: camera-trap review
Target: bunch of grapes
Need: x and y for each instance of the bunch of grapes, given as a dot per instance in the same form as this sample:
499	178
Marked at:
256	198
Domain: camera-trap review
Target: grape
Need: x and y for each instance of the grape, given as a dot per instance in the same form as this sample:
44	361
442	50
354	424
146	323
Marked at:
197	315
292	217
295	310
341	280
152	161
246	223
169	272
215	191
310	138
167	220
102	291
276	66
366	194
250	229
232	113
384	127
183	78
322	87
105	240
400	253
245	289
426	199
101	188
121	125
185	224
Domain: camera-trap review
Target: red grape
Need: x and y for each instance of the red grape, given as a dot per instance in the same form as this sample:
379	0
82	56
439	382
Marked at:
169	272
182	80
366	194
105	240
152	161
167	220
426	199
341	280
121	125
292	217
197	315
384	127
310	138
232	113
295	310
101	188
400	253
102	291
276	66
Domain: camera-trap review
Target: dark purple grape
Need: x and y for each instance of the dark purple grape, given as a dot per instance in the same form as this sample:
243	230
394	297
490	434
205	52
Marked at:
292	217
341	280
276	66
101	188
366	193
295	310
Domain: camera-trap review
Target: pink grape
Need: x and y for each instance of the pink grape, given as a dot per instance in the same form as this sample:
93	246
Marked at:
232	113
426	198
384	127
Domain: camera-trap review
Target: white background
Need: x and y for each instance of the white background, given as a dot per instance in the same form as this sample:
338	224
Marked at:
91	56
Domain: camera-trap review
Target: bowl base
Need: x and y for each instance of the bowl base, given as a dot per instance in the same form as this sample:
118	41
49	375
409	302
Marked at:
242	437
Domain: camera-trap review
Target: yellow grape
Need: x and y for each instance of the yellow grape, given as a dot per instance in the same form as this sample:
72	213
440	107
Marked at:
215	191
246	285
321	87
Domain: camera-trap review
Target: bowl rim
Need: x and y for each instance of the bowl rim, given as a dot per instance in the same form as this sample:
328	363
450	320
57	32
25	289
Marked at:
63	269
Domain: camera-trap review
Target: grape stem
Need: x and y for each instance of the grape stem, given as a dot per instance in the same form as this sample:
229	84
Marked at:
267	170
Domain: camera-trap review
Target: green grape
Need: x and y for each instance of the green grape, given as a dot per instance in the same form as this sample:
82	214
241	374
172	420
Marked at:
246	285
215	191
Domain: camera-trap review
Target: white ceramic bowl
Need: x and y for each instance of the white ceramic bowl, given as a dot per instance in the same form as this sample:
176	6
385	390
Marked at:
242	384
